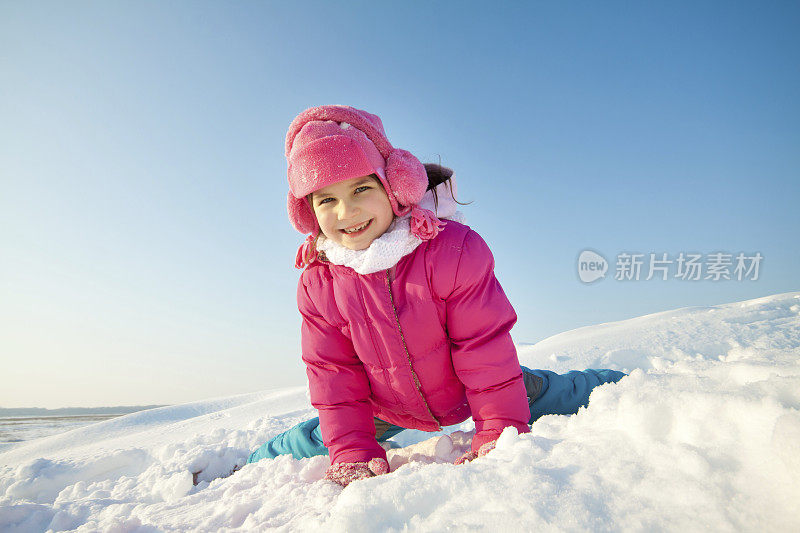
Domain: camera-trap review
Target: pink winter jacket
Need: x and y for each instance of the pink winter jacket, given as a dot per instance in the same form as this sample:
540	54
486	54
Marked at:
422	345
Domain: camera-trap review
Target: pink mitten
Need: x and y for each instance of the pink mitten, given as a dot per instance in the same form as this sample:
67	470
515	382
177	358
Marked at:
483	450
344	473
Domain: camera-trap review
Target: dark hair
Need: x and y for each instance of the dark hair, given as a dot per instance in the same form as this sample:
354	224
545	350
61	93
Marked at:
438	174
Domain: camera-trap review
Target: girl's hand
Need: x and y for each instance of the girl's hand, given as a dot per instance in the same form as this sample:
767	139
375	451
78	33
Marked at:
344	473
470	455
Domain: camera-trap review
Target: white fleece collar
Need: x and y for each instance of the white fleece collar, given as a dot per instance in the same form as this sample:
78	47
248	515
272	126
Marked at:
396	243
384	252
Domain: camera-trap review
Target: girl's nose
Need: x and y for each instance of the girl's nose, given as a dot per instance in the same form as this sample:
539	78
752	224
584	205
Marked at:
347	209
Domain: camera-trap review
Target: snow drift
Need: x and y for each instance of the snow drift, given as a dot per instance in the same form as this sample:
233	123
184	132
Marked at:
703	434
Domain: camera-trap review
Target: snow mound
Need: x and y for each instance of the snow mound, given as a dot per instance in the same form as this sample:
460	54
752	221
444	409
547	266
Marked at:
703	434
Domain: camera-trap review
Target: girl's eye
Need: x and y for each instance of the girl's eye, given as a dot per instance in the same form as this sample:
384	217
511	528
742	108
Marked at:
362	188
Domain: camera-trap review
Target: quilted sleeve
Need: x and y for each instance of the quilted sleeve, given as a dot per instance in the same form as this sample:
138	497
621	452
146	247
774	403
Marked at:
338	385
479	321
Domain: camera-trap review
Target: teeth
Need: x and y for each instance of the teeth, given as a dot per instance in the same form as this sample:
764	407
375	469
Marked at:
364	225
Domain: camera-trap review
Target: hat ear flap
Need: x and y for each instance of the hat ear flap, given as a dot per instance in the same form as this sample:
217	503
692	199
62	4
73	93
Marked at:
406	176
300	214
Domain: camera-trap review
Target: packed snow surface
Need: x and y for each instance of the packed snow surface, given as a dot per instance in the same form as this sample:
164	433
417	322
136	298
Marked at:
703	434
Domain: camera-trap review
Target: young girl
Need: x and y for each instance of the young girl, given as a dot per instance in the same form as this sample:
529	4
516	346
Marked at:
404	323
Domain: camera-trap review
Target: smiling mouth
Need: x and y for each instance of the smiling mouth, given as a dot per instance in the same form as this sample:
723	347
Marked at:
358	229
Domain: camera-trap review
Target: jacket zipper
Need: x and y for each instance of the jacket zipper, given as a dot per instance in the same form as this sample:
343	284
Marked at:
417	384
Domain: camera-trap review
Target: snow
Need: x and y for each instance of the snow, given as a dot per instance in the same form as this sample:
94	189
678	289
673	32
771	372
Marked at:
703	434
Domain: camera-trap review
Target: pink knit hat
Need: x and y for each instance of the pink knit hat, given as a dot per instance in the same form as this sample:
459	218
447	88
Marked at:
333	143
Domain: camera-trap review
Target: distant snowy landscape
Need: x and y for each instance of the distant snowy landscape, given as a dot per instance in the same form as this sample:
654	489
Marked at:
703	434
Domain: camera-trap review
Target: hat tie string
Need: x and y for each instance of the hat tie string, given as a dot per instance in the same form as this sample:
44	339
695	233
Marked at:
424	224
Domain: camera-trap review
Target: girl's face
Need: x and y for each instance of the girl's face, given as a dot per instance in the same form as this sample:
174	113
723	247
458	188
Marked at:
359	204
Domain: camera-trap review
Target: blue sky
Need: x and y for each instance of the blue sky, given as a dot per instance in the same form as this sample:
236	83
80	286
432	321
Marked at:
146	253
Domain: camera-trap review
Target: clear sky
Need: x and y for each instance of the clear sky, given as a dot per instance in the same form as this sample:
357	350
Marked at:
145	252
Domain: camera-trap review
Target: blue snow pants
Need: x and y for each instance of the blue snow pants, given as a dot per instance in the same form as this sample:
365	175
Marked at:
548	394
